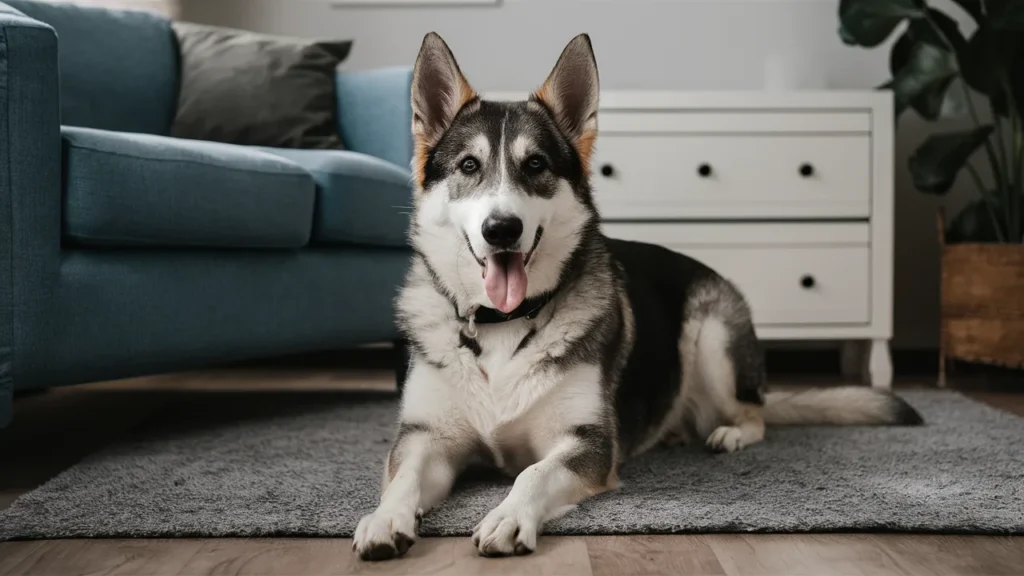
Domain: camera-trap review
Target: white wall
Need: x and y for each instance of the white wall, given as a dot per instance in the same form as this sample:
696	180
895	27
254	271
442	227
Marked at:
649	44
165	7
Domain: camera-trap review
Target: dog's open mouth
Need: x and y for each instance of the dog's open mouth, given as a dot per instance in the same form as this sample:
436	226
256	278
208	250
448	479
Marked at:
505	274
505	280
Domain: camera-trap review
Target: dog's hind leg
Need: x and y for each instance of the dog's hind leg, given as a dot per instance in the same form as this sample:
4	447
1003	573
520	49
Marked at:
724	373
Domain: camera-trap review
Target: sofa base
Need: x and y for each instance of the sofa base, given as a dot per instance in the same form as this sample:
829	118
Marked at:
6	386
6	407
125	313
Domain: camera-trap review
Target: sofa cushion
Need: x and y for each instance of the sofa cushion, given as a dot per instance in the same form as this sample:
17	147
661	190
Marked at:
257	90
375	113
360	199
143	190
118	69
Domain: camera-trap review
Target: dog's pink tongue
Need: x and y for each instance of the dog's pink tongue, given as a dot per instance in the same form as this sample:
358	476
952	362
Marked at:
505	281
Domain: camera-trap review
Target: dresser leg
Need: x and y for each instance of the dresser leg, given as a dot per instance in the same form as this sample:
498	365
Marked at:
851	359
880	364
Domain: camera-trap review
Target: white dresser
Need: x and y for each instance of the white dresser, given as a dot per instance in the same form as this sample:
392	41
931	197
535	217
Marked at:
788	195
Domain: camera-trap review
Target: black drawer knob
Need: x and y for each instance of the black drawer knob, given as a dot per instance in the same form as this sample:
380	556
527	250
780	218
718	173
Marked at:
607	170
806	170
704	170
807	281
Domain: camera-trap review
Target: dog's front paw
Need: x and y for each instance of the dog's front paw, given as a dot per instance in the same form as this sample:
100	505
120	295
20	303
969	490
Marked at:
385	534
503	532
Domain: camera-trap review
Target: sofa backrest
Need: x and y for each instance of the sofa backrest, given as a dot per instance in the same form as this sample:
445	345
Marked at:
118	69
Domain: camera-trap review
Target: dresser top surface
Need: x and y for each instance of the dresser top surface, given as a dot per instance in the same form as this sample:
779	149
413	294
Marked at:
731	100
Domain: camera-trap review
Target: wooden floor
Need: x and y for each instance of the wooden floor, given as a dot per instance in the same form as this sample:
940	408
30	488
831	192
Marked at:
54	429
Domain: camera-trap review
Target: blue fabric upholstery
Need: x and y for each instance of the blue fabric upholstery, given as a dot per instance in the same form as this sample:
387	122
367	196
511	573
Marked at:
29	195
359	199
118	69
71	312
142	190
375	113
125	312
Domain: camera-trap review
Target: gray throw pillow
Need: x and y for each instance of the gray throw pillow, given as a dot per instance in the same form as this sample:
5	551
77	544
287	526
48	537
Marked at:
257	90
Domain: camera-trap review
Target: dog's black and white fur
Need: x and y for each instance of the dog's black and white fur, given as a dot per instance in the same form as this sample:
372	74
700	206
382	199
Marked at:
588	352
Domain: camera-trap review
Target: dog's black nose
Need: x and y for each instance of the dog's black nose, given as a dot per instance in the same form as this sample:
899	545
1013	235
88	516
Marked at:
502	231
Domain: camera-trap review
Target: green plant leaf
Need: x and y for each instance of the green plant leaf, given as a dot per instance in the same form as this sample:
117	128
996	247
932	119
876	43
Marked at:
846	37
937	161
922	30
870	22
946	100
930	83
922	76
954	101
973	224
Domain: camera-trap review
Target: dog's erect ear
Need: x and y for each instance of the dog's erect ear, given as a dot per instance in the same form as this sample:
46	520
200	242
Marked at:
438	91
571	92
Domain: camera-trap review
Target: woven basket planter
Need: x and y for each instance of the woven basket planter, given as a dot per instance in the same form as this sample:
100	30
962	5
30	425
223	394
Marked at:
982	303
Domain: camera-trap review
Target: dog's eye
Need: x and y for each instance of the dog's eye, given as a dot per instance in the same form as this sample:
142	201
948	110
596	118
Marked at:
469	165
536	164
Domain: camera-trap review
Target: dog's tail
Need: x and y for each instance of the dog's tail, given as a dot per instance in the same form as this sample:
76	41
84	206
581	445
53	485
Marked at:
846	405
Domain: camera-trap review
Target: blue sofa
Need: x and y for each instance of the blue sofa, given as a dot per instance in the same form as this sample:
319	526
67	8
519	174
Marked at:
124	251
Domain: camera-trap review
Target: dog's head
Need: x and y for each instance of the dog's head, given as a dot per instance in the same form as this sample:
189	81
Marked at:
502	194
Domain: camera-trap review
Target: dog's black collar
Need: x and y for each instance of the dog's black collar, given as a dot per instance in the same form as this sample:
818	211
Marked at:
529	309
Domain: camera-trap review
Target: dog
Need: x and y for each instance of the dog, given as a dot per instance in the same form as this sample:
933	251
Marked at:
542	348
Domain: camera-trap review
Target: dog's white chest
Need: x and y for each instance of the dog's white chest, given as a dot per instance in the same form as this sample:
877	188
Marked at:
504	389
518	404
513	396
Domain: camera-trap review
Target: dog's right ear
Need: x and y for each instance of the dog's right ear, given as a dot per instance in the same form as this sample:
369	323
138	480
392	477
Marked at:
439	91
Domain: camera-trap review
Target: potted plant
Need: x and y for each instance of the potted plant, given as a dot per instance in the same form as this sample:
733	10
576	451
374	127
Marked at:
938	72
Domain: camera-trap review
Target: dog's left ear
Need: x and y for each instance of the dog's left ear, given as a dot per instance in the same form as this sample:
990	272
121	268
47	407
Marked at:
571	92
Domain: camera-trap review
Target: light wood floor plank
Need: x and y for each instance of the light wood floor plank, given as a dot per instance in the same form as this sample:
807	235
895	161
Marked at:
803	555
14	555
268	557
137	557
669	555
555	556
334	557
427	556
928	555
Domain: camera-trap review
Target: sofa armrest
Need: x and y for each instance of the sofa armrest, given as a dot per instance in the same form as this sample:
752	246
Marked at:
29	189
375	115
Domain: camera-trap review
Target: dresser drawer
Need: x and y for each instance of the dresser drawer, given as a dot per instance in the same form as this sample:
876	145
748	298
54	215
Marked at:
793	280
648	175
735	122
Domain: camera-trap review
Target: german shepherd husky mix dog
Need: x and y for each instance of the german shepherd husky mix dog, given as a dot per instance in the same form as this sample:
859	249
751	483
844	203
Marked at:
541	347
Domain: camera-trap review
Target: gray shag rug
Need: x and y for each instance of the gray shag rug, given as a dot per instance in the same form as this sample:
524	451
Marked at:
309	465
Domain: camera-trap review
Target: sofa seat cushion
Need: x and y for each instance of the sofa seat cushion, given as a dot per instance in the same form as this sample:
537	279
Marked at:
125	189
360	199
